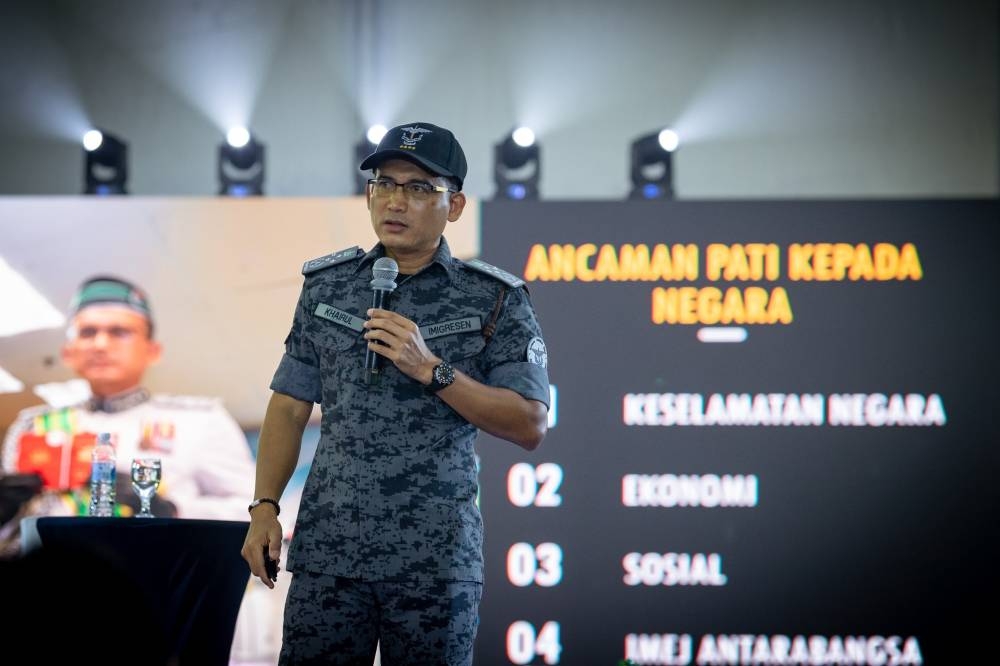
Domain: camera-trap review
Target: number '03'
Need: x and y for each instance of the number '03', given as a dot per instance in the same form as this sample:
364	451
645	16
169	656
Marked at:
528	485
535	565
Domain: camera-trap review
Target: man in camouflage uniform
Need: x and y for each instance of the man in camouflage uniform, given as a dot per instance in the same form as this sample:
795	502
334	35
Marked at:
387	547
207	465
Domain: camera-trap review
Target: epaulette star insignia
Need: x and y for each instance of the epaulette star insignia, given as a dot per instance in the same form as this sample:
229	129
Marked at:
328	260
508	279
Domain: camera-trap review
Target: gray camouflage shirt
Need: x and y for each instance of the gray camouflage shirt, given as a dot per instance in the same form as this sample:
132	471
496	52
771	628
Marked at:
391	493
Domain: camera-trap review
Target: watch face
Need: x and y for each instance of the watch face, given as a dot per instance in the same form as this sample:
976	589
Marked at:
444	374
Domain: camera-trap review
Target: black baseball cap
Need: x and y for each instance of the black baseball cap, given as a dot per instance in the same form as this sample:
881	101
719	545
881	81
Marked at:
426	145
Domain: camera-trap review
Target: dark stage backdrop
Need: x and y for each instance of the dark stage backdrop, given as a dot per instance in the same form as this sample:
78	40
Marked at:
775	435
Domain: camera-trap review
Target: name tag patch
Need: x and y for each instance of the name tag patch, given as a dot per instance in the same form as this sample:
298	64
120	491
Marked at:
451	327
338	316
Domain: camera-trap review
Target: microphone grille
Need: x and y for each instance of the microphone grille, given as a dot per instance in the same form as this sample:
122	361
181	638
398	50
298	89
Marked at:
384	272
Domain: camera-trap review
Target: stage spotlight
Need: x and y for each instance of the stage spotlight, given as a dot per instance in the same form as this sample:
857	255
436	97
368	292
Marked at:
237	137
652	165
105	163
362	149
241	164
516	165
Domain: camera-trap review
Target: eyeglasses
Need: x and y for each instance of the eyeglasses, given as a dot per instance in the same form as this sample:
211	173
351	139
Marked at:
114	333
415	190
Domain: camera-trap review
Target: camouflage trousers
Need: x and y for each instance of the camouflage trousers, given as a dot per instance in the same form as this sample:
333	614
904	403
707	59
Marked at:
337	620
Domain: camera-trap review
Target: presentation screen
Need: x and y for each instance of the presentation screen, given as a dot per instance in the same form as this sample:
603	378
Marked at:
772	439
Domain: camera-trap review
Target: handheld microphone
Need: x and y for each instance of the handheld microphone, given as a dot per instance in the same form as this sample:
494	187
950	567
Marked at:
384	272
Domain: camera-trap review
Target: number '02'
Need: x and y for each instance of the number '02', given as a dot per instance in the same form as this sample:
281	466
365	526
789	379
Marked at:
528	485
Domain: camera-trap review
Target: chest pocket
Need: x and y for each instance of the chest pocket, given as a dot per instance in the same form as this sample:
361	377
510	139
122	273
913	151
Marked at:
334	329
459	342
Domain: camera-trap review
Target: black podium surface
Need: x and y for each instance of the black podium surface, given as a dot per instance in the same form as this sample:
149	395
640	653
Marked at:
190	572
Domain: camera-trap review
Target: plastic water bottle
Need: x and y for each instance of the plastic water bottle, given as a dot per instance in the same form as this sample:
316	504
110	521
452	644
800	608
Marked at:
102	477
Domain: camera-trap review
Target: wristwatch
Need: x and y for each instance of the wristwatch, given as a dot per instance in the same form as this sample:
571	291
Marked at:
442	376
265	500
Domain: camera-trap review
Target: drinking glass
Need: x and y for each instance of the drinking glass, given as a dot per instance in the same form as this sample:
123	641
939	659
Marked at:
145	480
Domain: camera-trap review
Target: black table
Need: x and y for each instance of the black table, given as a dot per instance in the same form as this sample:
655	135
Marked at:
190	572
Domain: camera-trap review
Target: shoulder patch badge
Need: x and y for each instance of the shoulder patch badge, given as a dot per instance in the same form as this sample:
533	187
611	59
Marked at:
326	261
497	273
536	352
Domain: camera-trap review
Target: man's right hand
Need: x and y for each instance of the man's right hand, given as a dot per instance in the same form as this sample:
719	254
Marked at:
277	454
263	535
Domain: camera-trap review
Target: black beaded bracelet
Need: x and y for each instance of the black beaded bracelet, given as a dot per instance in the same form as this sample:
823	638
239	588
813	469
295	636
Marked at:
265	500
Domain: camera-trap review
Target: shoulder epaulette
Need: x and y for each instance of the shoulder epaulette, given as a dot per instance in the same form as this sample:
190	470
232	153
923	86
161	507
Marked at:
192	402
39	418
35	410
328	260
497	273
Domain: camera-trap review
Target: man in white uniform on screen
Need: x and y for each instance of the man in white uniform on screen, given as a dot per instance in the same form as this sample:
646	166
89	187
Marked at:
208	468
207	465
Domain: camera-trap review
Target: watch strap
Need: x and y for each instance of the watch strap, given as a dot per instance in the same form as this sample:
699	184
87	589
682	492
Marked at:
265	500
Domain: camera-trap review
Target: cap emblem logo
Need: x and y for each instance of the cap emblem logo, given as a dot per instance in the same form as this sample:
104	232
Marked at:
411	135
